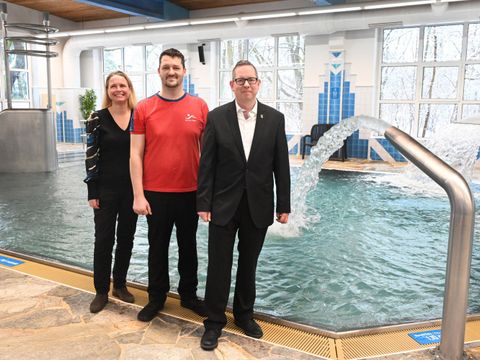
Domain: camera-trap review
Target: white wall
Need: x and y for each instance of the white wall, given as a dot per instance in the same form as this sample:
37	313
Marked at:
204	76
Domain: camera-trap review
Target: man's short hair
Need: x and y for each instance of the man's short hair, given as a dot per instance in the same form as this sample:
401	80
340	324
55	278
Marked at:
243	63
172	53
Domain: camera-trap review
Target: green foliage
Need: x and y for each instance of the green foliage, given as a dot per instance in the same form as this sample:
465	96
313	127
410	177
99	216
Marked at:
87	103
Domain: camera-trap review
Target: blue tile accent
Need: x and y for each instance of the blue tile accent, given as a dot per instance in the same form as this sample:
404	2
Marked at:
59	123
295	150
374	155
356	147
65	130
189	86
387	145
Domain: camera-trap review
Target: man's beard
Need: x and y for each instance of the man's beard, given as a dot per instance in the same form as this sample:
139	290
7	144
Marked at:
172	85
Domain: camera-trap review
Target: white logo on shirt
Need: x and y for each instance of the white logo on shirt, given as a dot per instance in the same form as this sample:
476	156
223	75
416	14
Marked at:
190	117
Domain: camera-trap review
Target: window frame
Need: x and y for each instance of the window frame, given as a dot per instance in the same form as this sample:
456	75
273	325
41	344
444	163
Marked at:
274	101
144	73
420	64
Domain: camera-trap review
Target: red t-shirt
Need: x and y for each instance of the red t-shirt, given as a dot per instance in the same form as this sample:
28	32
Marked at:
173	129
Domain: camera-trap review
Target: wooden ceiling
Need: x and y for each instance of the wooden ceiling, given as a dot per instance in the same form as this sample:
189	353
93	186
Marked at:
69	9
78	12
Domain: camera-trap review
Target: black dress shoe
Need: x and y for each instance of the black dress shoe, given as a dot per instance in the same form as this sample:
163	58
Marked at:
123	294
98	303
196	305
210	339
150	311
250	328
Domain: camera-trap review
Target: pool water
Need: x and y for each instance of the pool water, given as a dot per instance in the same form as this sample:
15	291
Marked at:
372	254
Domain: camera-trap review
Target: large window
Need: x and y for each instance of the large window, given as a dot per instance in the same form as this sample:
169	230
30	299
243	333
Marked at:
19	76
429	76
280	64
140	62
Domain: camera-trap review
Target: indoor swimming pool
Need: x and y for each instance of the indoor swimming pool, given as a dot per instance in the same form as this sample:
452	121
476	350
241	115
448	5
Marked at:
373	254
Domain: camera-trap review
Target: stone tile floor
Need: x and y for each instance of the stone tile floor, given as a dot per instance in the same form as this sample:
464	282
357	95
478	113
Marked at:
40	319
44	320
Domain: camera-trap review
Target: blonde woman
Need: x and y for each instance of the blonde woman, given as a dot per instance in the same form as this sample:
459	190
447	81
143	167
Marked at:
110	189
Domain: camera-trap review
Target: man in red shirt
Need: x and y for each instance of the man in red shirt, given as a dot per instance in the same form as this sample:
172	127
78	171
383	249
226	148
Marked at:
164	158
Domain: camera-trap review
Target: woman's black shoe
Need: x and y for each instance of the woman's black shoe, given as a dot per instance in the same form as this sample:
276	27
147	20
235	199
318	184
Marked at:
98	303
123	294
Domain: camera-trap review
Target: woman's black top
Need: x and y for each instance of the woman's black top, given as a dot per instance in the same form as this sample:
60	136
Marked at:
107	155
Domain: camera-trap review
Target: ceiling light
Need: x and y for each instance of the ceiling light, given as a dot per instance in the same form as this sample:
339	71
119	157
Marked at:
329	11
84	32
120	29
213	21
166	25
398	4
268	16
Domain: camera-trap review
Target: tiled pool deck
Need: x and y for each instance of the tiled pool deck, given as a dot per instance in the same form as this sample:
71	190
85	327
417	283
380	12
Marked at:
41	319
45	320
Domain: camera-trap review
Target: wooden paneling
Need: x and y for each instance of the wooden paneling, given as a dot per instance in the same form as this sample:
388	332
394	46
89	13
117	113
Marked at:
74	11
69	9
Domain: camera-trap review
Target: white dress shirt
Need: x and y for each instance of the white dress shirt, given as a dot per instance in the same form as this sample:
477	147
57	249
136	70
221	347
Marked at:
247	126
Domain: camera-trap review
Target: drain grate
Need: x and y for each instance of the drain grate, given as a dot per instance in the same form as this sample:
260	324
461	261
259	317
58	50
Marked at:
358	347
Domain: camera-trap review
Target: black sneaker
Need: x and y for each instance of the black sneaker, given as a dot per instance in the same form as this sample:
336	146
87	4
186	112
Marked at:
150	311
98	303
196	305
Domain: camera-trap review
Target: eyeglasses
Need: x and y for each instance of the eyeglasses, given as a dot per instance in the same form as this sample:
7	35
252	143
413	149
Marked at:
241	81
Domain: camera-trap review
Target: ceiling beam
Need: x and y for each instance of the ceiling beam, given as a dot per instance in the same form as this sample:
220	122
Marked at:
159	9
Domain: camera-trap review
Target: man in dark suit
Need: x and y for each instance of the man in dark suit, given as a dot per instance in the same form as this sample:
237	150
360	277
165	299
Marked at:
244	149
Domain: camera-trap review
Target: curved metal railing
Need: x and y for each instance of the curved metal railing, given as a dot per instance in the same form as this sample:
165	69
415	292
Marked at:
45	29
462	219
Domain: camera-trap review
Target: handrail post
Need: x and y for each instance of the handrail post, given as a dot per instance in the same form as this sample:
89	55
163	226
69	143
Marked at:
462	219
46	23
8	90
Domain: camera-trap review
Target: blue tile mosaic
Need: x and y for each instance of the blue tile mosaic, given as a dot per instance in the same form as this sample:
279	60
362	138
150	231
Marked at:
356	147
188	85
374	155
65	130
337	101
295	149
387	145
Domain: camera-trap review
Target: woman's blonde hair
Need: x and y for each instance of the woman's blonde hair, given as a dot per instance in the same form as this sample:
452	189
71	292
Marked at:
132	100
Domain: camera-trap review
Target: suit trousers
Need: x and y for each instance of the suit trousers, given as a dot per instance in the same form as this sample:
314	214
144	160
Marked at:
170	209
221	240
115	210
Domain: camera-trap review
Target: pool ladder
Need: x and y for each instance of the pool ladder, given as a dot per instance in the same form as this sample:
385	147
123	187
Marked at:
462	219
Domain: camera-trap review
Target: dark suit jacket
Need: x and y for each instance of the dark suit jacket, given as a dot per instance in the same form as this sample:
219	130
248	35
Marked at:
225	173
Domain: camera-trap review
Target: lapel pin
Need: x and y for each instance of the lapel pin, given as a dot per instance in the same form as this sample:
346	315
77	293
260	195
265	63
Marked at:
261	116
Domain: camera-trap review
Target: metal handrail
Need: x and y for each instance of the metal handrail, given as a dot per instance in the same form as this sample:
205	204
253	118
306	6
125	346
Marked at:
32	28
462	220
39	53
33	40
44	28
